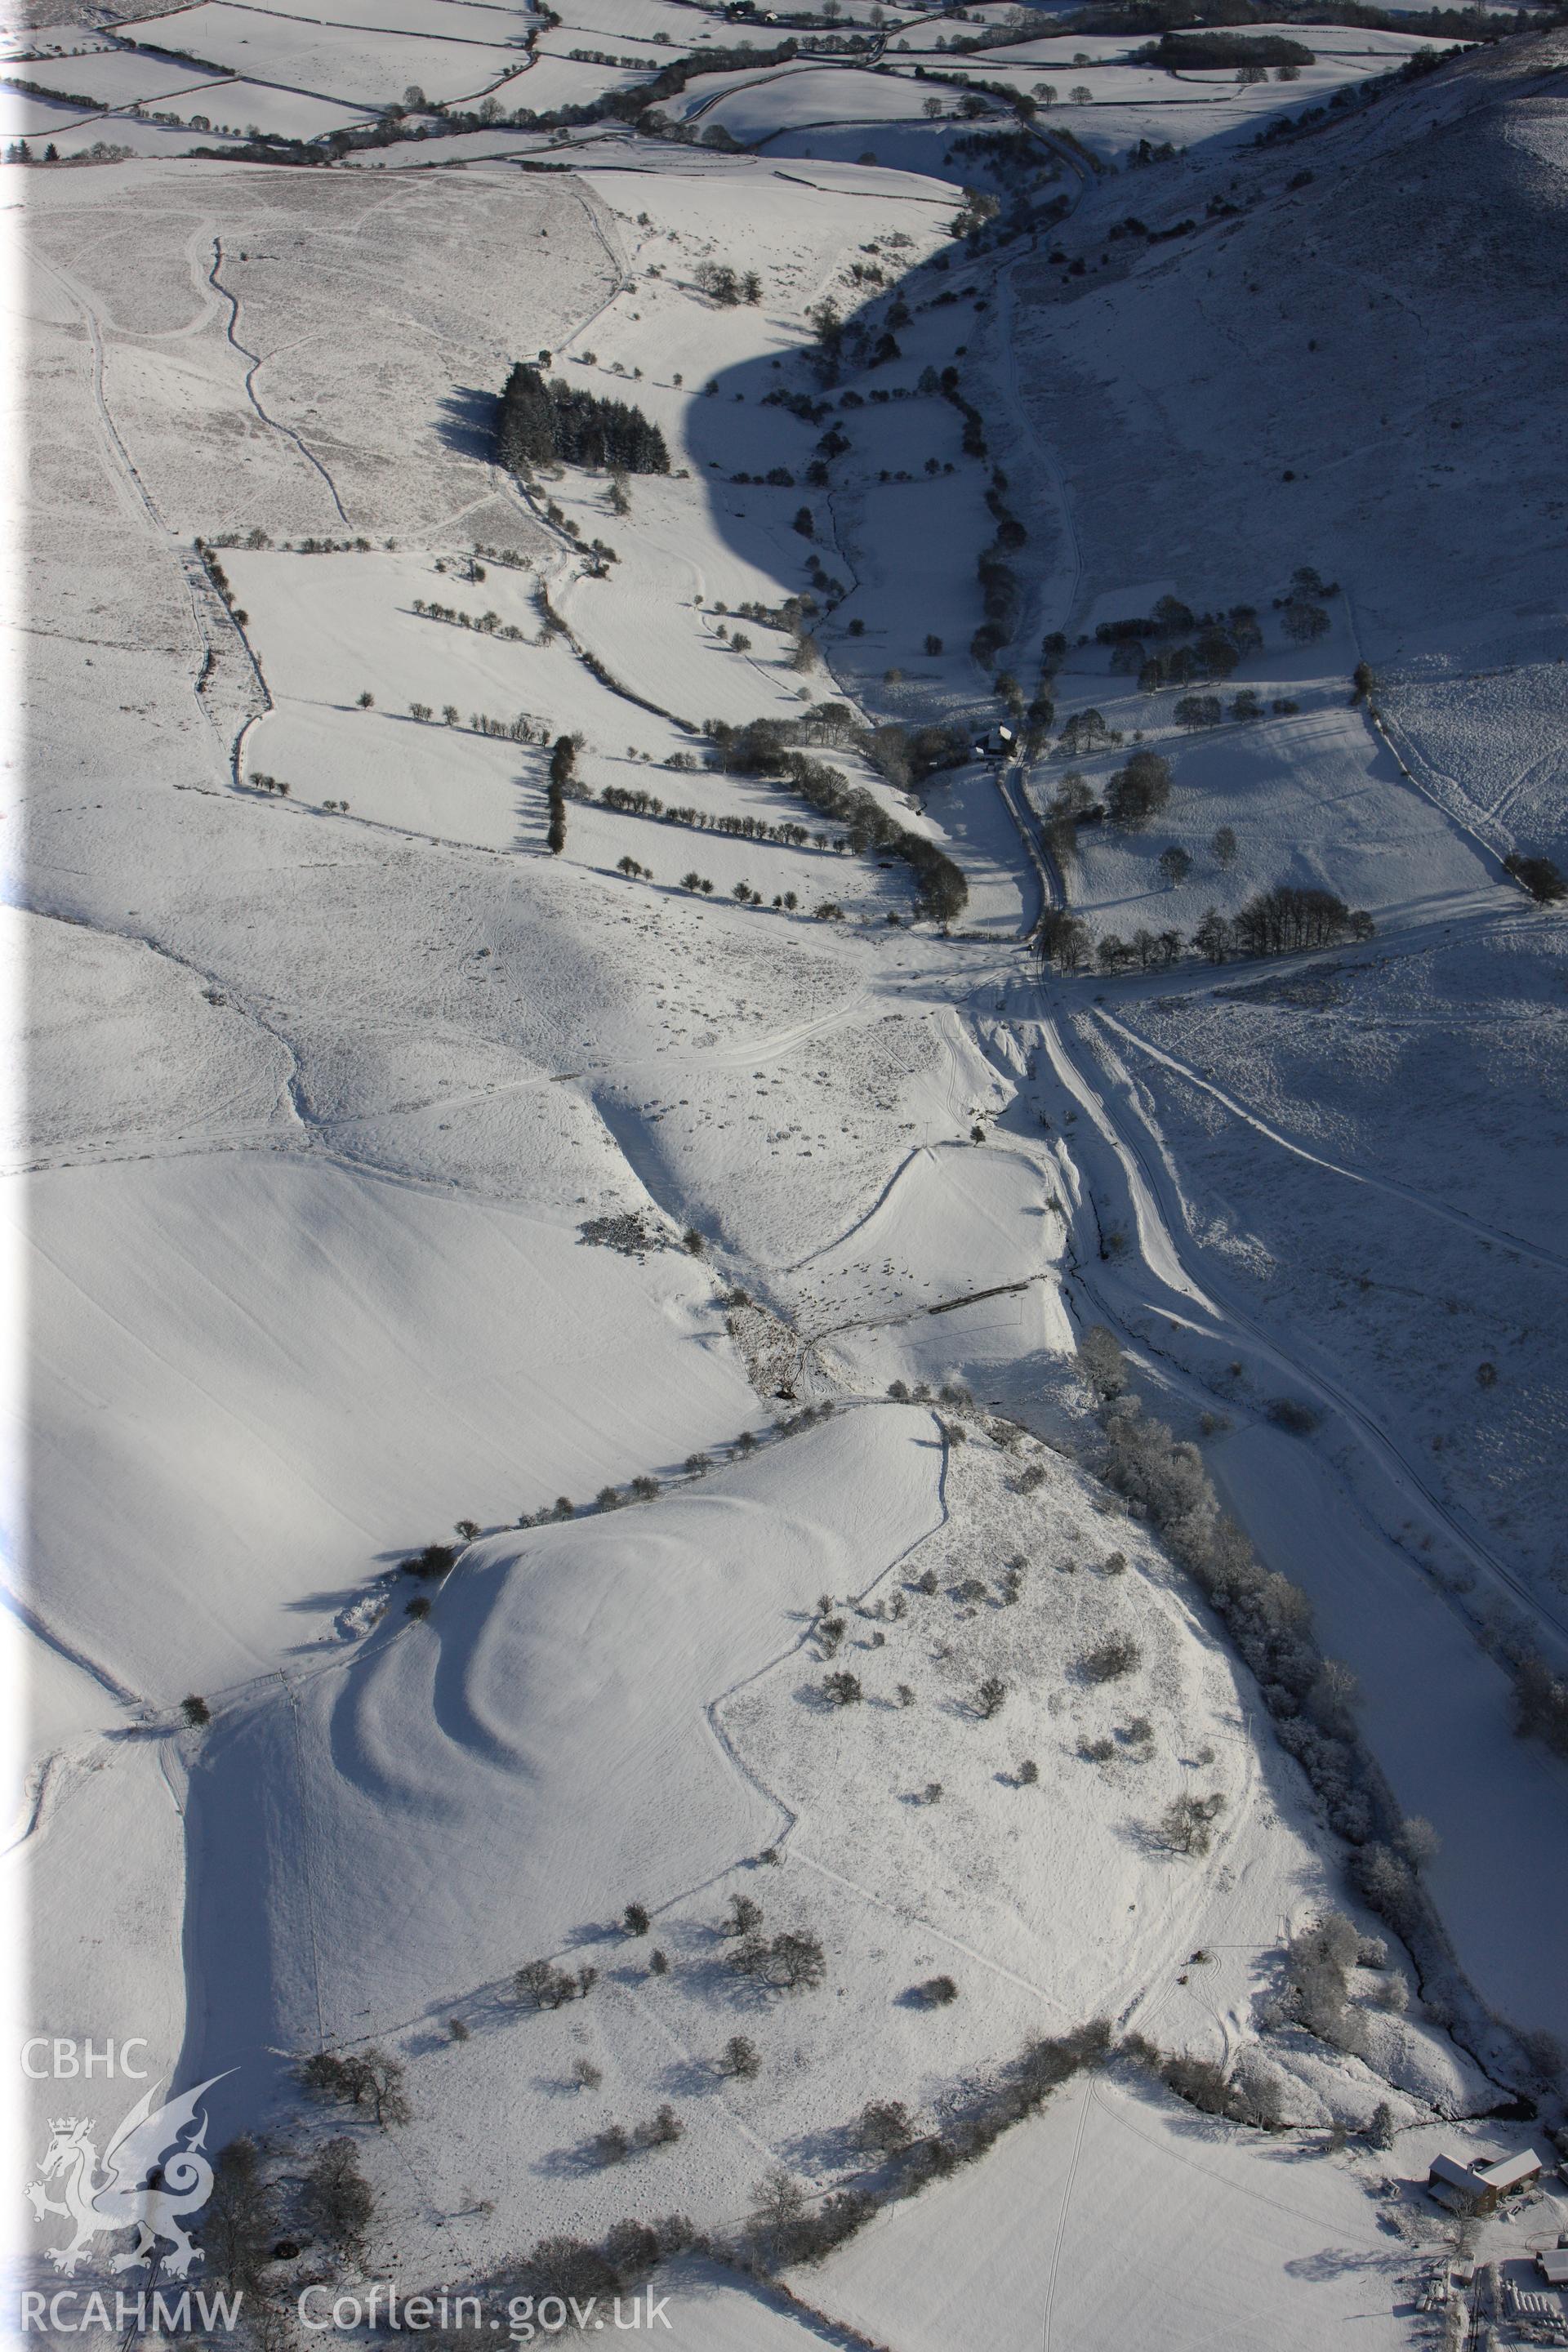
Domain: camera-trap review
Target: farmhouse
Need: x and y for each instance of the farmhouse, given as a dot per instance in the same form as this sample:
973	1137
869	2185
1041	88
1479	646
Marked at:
997	743
1476	2188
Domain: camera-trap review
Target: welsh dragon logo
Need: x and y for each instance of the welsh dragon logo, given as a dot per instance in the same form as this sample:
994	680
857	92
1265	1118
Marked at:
149	2181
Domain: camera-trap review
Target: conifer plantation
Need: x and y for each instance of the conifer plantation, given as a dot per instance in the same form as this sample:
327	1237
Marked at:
544	423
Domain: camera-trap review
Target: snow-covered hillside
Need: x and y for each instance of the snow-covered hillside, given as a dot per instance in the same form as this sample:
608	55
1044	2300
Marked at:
789	1376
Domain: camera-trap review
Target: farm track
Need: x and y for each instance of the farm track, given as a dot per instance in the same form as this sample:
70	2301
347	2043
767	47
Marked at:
253	368
213	630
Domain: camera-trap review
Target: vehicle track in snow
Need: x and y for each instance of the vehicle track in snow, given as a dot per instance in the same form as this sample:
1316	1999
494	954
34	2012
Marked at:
1390	1185
1160	1215
1059	2241
257	361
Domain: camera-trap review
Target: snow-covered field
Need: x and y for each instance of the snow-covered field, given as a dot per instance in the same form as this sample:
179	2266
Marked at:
358	58
118	78
699	1238
1116	2213
1315	800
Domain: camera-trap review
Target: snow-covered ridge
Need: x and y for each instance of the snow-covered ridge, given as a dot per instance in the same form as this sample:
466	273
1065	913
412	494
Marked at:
710	1239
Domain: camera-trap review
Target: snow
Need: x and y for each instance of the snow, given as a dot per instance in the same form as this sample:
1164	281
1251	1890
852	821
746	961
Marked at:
1125	101
662	644
1039	1884
898	594
320	1100
227	1293
127	1049
434	255
1315	802
485	22
557	1689
912	147
106	1845
1117	2219
968	808
1501	732
796	95
40	117
117	77
245	107
643	20
1453	1243
552	81
366	65
1439	1717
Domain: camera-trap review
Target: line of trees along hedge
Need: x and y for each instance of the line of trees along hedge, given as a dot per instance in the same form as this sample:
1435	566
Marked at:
763	748
555	422
1282	922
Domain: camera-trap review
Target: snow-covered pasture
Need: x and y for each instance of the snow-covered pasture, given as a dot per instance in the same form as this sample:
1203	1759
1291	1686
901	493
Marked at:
557	1688
914	147
1064	49
1317	1050
553	81
1491	744
328	628
244	107
22	116
367	65
644	20
791	96
1125	100
475	1358
852	1089
100	1838
1110	82
452	784
1167	395
488	23
116	77
956	1221
109	139
915	542
796	233
816	875
965	810
122	1048
556	1694
1432	1260
1315	801
1121	2217
654	621
426	263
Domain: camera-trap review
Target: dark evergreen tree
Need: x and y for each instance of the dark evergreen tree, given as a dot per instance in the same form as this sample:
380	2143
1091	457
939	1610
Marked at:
1538	875
555	422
